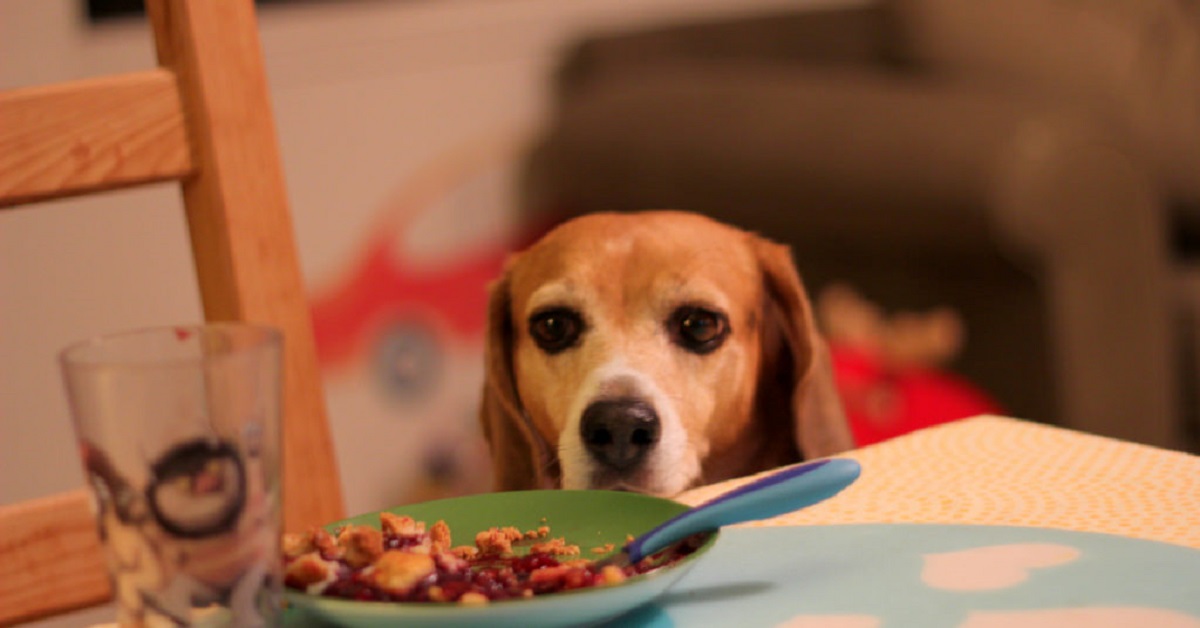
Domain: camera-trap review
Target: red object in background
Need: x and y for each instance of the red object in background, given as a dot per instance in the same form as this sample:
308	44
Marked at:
881	403
383	289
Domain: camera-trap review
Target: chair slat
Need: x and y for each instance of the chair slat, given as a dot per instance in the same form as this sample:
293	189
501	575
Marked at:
95	134
51	556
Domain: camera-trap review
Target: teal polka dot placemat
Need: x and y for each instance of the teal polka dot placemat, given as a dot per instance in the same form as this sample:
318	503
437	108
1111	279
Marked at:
932	576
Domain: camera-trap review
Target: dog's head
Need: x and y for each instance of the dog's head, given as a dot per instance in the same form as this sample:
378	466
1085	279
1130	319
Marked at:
650	352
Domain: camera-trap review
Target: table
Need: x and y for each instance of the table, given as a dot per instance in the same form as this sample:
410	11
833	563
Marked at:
1021	505
1004	471
993	481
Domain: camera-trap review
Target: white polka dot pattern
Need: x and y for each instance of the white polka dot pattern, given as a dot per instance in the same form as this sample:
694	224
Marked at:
1000	471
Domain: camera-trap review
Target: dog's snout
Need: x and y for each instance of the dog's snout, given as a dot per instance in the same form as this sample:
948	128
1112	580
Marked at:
619	432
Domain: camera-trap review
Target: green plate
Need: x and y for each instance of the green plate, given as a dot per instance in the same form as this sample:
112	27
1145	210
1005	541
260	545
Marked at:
586	518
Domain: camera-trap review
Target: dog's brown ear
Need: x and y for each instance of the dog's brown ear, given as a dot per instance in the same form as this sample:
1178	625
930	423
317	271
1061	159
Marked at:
819	423
519	455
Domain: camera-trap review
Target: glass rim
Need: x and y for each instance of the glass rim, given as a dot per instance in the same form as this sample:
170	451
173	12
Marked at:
73	355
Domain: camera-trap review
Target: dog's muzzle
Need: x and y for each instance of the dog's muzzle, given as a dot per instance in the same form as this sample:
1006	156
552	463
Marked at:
618	433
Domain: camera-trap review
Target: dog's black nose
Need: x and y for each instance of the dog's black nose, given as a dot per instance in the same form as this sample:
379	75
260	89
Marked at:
619	432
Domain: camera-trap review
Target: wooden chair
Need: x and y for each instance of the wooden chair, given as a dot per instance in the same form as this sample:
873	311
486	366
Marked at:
202	118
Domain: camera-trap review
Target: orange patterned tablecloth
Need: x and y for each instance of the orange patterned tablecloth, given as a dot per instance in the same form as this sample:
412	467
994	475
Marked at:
1001	471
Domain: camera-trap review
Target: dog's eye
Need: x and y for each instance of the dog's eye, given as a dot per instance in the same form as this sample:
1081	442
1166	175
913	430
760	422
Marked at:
555	330
698	329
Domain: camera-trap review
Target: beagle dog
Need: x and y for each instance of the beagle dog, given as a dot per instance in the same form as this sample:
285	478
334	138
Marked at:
653	352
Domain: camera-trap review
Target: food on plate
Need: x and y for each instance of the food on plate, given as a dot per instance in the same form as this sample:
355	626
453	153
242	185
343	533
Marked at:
405	561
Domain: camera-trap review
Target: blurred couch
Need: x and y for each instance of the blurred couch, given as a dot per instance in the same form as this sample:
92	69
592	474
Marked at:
1028	162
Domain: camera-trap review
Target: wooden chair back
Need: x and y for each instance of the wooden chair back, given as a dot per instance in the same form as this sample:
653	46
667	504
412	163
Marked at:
203	119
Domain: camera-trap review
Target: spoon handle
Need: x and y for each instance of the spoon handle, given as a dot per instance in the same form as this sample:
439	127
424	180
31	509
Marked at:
781	492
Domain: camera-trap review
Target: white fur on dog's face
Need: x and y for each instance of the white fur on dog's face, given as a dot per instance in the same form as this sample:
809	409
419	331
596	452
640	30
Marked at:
626	279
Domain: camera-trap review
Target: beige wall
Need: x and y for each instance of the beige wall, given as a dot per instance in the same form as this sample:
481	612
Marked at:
367	95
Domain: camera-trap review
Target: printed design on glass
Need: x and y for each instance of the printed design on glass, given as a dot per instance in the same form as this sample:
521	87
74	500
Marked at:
192	537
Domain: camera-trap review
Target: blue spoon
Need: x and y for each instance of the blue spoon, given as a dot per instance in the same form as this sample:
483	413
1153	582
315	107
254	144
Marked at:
781	492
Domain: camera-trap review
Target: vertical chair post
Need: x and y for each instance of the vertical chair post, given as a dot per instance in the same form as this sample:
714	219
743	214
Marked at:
241	229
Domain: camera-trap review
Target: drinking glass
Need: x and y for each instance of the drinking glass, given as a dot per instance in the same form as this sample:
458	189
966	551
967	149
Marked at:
179	435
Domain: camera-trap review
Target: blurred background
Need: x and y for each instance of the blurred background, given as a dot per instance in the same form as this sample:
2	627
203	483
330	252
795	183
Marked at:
995	204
